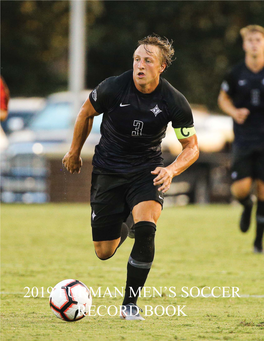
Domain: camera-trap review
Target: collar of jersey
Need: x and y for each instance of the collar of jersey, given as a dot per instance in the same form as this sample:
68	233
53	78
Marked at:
158	88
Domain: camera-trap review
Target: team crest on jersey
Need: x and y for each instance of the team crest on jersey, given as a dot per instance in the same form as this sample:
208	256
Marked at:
93	215
94	95
225	86
242	82
156	110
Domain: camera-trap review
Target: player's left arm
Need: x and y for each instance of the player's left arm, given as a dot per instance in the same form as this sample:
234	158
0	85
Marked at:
189	154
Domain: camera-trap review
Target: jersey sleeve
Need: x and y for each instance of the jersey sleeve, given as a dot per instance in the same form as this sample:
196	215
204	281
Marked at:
103	96
180	110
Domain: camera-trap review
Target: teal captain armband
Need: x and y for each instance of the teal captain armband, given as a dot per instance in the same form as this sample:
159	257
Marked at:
184	132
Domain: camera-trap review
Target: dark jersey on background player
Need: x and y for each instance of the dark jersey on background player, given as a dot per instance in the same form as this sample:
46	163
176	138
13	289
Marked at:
128	173
246	88
242	97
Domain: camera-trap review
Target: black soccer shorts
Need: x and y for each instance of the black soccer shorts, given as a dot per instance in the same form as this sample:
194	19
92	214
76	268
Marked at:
247	162
113	197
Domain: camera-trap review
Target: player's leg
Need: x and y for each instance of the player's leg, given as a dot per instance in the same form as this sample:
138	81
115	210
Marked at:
241	190
105	249
145	216
242	175
146	202
108	213
258	248
259	176
147	211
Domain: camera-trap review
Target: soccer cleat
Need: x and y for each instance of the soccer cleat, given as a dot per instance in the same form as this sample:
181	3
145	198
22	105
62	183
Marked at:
258	250
258	247
245	218
130	311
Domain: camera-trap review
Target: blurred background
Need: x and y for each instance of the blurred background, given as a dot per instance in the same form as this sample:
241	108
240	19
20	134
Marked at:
49	76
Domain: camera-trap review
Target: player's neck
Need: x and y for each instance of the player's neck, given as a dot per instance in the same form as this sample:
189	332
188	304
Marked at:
254	63
146	88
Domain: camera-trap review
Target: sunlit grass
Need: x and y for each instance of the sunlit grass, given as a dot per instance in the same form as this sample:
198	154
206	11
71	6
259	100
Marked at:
195	247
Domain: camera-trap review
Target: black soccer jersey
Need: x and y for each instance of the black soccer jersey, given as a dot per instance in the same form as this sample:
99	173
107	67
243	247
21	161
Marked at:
134	123
246	89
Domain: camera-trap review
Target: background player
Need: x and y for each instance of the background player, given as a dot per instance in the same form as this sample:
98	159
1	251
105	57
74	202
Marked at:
242	97
128	173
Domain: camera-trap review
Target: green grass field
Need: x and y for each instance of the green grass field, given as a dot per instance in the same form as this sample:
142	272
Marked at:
195	247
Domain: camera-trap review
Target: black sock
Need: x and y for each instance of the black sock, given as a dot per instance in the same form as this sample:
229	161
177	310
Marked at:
140	260
135	283
260	225
246	202
130	221
123	234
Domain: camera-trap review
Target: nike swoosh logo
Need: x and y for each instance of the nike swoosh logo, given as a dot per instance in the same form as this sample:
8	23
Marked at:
123	105
161	197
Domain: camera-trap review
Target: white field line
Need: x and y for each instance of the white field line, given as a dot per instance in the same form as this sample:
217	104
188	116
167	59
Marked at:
200	296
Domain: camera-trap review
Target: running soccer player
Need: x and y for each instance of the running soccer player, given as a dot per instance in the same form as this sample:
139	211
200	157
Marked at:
128	172
242	97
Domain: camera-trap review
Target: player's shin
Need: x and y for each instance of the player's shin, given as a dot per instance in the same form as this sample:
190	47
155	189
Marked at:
260	226
246	215
140	260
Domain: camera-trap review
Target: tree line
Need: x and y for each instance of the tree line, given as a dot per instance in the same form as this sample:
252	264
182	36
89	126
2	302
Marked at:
34	39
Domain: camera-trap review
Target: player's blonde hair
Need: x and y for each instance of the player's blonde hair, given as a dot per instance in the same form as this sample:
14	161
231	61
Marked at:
165	46
251	28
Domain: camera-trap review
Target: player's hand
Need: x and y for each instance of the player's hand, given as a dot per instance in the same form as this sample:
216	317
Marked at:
163	178
72	163
241	115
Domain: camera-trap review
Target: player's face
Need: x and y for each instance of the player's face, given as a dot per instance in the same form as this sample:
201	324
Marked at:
147	68
254	43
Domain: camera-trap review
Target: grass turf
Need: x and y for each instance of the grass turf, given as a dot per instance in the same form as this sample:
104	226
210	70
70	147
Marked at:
195	247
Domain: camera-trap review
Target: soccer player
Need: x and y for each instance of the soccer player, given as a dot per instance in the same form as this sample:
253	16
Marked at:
128	172
242	97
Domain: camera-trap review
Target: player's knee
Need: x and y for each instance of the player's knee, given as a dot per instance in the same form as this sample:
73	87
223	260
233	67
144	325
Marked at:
145	229
104	255
105	249
143	249
241	188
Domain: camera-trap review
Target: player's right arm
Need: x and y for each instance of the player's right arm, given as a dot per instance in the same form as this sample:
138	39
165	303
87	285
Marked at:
99	101
226	104
82	128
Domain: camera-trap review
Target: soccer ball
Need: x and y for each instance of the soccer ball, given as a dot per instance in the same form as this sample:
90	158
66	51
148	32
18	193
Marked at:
70	300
